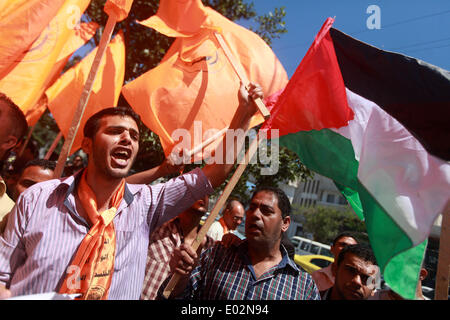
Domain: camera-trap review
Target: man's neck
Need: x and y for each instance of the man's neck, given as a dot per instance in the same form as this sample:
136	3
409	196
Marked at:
102	188
334	295
264	256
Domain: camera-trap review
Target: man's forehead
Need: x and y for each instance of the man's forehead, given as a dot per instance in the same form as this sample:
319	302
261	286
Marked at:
36	169
118	120
358	263
346	240
265	196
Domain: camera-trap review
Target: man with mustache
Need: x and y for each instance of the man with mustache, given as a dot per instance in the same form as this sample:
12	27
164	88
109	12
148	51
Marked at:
354	273
257	268
88	234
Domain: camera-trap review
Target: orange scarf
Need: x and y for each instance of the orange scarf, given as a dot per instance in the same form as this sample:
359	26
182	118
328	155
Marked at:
93	264
224	225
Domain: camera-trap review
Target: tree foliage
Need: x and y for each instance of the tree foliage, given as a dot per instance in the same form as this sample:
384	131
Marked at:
326	223
146	47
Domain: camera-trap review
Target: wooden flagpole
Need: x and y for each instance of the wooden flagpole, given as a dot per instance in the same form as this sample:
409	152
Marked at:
206	143
240	169
217	207
53	146
106	37
443	270
27	140
240	73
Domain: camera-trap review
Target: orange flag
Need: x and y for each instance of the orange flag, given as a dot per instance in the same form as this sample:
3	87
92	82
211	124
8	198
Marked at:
178	18
21	23
78	38
195	82
64	95
27	81
118	8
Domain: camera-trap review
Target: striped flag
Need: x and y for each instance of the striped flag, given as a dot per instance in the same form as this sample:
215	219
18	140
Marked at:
373	122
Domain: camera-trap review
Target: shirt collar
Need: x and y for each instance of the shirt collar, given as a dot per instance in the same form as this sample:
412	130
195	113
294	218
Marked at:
285	262
71	183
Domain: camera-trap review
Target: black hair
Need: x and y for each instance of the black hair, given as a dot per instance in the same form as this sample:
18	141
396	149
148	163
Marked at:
43	163
283	200
346	234
360	250
18	121
92	124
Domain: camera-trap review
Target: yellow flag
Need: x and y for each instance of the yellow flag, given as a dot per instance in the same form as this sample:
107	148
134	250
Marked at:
64	95
27	81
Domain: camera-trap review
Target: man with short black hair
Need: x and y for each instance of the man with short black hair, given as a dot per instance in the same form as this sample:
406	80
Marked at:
257	268
35	171
324	278
355	272
88	234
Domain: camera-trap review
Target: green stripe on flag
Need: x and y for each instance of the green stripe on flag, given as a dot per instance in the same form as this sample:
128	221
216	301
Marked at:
331	155
399	261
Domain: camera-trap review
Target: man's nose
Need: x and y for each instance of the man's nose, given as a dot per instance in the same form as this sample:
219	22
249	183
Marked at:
125	137
253	214
357	280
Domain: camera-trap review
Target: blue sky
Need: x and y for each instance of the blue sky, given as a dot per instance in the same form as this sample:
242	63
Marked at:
416	28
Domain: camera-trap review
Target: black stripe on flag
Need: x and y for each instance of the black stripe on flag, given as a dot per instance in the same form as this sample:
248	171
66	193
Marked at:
412	91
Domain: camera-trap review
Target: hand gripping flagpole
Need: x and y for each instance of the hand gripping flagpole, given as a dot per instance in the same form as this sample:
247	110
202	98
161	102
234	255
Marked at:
106	37
239	170
217	207
240	73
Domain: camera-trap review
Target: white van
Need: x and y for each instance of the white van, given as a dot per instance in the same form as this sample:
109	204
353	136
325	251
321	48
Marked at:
305	246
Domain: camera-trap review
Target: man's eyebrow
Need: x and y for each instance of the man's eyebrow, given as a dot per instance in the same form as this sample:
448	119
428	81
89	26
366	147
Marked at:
360	271
27	181
122	127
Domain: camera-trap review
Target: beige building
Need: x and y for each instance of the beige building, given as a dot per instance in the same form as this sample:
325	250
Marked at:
319	191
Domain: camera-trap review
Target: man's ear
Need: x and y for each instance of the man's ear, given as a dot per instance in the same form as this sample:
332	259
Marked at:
334	268
9	142
286	223
86	145
423	273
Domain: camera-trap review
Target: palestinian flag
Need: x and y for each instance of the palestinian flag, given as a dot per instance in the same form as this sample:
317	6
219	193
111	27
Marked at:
376	123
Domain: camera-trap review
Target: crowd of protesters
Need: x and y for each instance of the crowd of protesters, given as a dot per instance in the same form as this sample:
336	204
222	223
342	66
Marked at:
102	234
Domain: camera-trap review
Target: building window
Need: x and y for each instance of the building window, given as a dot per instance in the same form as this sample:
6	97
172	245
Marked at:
330	198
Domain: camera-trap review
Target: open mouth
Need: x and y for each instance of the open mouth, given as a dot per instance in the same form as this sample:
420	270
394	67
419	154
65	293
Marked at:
121	157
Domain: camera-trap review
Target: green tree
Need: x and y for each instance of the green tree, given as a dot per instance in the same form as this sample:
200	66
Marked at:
326	223
146	47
